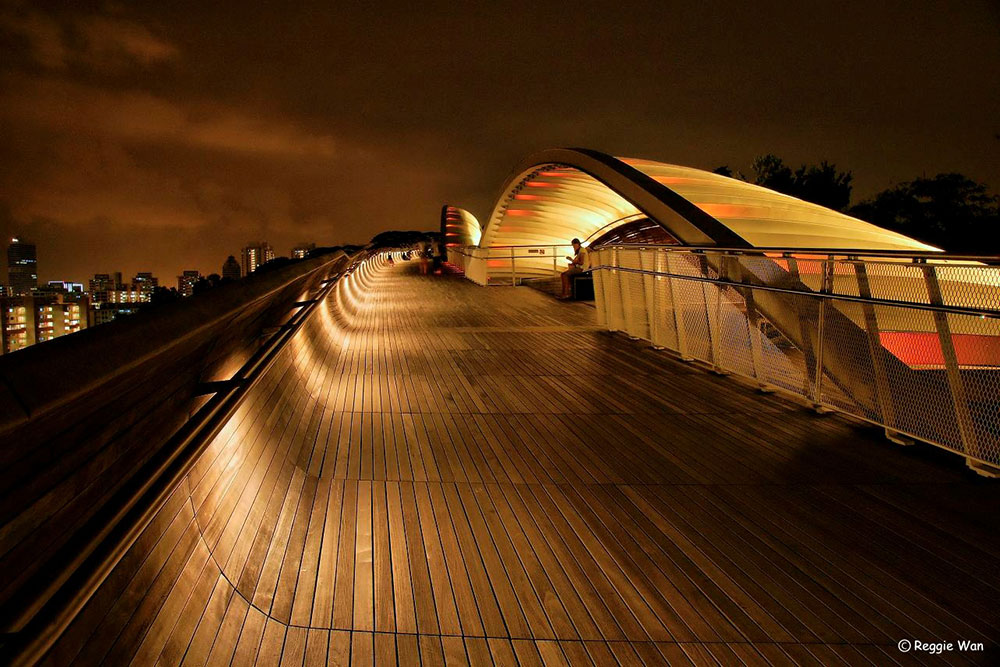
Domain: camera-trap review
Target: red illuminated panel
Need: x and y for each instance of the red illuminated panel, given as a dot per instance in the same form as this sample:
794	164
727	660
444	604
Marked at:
540	184
735	211
519	212
804	266
923	349
526	197
567	172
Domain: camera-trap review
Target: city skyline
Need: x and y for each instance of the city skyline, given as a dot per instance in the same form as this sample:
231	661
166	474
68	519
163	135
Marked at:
173	136
138	266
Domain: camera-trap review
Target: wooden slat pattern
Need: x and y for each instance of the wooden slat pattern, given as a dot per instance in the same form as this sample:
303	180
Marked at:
438	473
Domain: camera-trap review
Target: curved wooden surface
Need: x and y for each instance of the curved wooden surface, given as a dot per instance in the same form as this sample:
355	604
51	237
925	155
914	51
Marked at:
440	473
84	417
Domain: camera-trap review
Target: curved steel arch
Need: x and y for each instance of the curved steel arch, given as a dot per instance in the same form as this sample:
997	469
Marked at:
555	194
680	217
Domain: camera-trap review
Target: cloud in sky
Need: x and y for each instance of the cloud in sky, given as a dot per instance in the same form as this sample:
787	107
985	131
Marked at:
102	42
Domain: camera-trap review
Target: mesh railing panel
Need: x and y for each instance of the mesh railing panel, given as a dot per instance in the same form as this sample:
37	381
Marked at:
911	344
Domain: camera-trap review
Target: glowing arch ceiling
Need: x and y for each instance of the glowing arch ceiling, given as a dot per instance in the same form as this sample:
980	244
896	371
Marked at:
552	202
459	227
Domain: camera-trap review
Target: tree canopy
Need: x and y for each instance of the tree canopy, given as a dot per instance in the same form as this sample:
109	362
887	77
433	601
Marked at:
821	184
950	211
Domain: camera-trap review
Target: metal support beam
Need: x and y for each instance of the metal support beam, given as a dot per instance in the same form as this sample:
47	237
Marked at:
959	398
883	391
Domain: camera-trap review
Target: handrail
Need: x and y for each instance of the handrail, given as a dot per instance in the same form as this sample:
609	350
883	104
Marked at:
859	252
921	377
160	329
985	313
82	565
830	252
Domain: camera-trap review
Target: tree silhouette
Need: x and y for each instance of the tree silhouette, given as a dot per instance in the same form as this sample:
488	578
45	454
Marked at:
820	184
770	171
161	295
950	211
726	170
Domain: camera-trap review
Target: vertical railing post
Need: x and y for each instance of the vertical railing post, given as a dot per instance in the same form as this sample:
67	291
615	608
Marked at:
883	391
712	313
808	355
825	288
619	277
959	398
600	277
513	268
654	319
682	347
648	293
753	328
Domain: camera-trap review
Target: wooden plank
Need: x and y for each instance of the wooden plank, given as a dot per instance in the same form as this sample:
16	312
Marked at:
321	615
250	639
317	646
431	651
364	589
362	649
385	649
419	566
294	650
343	596
339	650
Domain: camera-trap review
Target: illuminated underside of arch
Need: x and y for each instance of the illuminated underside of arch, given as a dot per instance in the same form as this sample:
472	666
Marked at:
459	227
559	194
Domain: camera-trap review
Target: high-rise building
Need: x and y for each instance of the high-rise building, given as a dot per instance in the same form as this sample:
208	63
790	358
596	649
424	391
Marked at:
108	312
256	254
64	287
26	320
231	269
101	286
145	283
301	251
22	266
111	297
186	282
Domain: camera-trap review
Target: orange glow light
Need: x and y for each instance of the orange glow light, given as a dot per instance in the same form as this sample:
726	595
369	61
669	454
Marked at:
731	210
676	180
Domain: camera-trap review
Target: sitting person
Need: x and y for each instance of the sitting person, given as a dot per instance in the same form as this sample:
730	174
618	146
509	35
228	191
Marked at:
577	265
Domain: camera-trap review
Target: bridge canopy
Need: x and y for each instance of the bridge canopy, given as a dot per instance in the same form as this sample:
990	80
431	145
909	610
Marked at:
559	194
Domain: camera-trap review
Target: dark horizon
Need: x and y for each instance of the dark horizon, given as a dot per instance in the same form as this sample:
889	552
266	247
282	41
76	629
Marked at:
152	137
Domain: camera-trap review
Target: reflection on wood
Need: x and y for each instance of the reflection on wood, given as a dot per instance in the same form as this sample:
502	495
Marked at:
439	473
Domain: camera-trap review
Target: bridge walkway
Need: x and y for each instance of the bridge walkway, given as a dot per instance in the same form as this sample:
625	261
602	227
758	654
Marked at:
441	473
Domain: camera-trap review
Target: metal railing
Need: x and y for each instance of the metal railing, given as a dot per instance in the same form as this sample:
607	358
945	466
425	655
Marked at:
907	341
48	601
510	264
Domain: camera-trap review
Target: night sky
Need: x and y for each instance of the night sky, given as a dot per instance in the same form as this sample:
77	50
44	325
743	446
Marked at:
164	135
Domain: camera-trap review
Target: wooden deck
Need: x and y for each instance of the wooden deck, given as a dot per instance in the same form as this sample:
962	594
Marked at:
439	473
